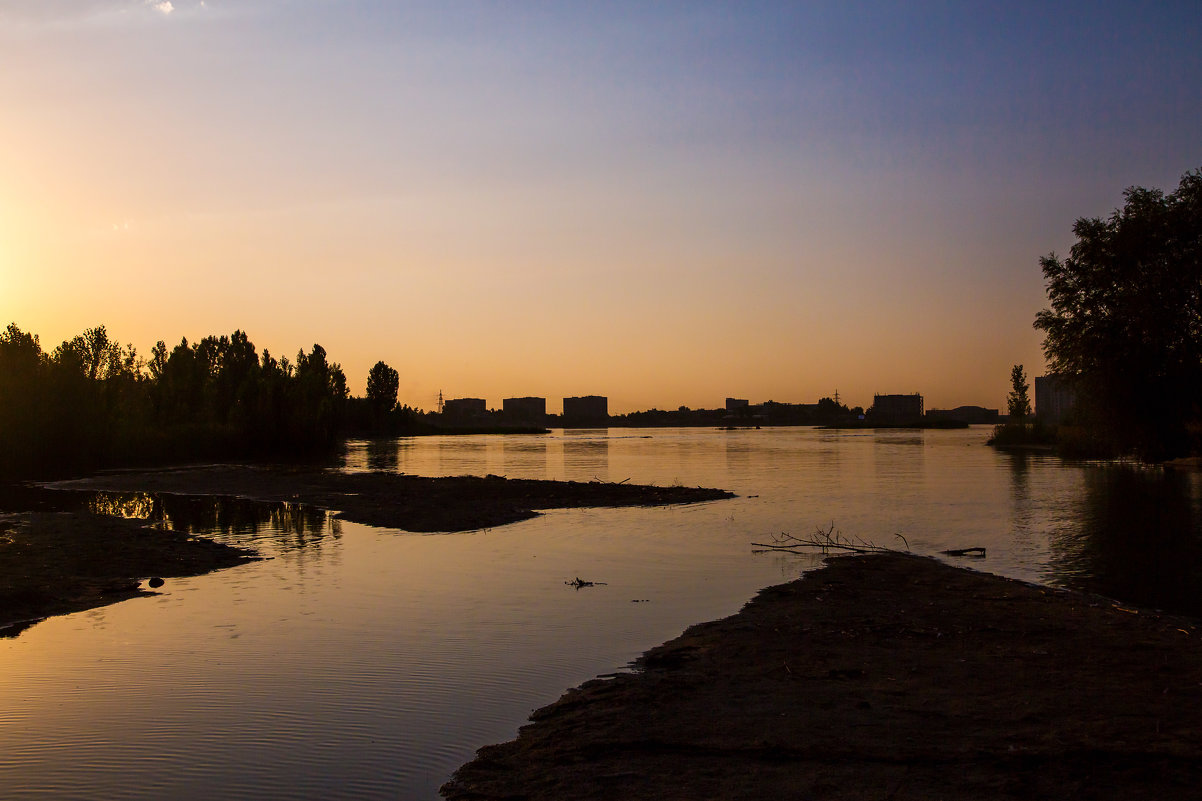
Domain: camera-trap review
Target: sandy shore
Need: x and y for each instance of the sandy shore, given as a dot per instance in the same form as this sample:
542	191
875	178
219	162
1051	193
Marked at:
880	677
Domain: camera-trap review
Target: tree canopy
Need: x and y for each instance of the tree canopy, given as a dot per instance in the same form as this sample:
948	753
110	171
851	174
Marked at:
383	383
93	402
1124	325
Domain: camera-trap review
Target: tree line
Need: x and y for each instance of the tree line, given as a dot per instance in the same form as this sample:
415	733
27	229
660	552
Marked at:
92	402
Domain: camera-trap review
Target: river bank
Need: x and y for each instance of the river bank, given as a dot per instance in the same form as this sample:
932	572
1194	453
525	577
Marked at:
59	556
880	676
393	500
53	563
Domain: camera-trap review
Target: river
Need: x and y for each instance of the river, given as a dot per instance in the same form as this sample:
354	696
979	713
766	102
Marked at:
369	663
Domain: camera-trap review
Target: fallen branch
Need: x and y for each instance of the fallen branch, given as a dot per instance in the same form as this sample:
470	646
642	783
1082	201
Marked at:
579	582
825	540
977	552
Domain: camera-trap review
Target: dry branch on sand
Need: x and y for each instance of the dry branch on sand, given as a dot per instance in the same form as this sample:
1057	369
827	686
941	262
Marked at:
825	540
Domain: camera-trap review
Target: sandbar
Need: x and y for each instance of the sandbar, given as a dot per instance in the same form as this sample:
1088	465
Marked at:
883	676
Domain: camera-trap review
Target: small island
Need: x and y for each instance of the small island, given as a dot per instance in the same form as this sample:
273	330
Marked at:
54	561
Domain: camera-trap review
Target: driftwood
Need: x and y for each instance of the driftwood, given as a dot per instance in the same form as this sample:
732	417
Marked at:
825	540
977	553
579	582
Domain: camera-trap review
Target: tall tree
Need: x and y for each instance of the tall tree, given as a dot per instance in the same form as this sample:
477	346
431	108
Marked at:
383	383
1124	325
22	399
1018	402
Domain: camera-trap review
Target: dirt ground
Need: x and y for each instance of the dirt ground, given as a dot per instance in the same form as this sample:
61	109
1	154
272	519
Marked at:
410	503
880	677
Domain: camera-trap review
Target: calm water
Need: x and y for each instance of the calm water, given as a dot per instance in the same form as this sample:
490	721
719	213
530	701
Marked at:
361	662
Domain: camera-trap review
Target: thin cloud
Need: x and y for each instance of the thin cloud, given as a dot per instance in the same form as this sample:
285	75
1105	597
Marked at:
53	13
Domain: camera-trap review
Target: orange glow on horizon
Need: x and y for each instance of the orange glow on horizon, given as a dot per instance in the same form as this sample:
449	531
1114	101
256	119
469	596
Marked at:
494	219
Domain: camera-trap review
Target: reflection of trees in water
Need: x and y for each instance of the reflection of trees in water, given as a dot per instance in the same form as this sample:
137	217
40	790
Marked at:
383	455
1043	497
1020	498
287	526
1137	539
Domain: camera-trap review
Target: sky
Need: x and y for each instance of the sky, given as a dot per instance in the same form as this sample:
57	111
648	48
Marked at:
666	203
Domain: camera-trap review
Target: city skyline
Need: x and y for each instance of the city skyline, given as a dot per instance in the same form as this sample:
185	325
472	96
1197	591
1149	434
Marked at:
660	203
711	406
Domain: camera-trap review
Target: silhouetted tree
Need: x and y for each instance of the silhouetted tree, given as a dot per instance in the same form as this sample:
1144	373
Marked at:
319	396
22	383
92	402
383	383
1125	322
1018	402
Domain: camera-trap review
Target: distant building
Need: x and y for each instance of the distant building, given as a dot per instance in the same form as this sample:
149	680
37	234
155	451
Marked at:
525	410
1054	399
590	410
464	408
896	409
736	403
972	415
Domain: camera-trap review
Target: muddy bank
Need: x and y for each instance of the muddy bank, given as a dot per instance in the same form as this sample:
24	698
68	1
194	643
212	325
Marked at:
54	561
882	676
57	562
411	503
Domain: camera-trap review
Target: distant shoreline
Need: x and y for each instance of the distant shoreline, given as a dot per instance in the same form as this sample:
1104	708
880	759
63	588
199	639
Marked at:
925	424
728	425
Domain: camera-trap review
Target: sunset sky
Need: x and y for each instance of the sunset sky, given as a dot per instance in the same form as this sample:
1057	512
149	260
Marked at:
666	203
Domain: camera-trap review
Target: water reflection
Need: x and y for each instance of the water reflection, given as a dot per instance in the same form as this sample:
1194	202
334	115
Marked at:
586	455
463	456
1025	524
738	454
272	527
383	454
374	666
899	436
522	454
1136	537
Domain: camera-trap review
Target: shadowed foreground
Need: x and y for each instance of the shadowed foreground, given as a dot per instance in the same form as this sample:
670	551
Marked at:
881	676
411	503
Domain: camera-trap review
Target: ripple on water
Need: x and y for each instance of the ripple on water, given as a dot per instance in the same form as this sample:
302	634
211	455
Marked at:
364	663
